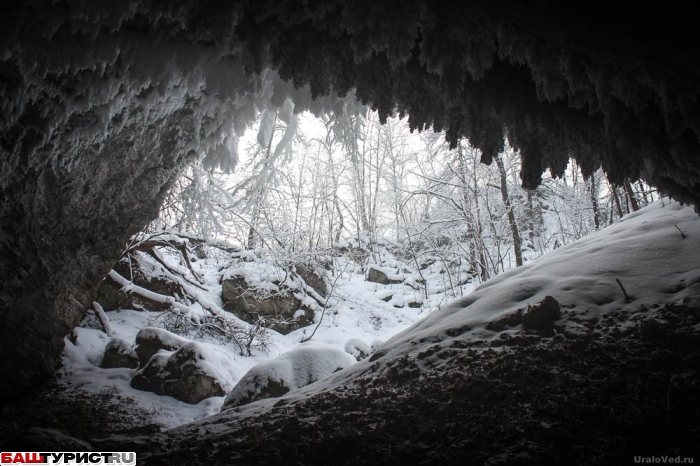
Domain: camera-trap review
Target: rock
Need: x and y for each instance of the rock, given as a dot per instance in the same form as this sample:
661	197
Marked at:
184	375
111	296
119	353
282	309
150	340
541	317
653	331
357	348
297	368
510	320
314	277
374	346
377	275
65	223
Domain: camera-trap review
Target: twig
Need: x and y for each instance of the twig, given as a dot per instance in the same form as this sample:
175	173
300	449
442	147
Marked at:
323	313
679	230
628	298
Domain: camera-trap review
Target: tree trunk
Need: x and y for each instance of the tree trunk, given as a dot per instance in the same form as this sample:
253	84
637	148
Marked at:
509	209
631	195
593	191
616	198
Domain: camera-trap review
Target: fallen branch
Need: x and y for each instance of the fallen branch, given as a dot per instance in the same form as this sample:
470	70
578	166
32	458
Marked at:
102	317
149	245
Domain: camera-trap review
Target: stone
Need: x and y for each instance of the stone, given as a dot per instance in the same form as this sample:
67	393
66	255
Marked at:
314	277
151	340
111	296
376	275
68	207
283	311
357	348
185	375
541	316
119	353
297	368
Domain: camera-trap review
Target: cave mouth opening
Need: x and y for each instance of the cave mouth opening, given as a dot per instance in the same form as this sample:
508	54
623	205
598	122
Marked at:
104	104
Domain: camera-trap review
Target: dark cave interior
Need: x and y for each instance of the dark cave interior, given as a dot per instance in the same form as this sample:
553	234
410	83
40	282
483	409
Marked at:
103	102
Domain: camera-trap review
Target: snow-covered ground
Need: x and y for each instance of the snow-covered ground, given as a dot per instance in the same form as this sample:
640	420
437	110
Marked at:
358	311
653	253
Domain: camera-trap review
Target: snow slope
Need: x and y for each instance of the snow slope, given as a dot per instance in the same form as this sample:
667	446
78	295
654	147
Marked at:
645	251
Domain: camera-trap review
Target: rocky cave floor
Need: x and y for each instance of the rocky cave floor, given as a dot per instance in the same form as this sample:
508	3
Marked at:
630	387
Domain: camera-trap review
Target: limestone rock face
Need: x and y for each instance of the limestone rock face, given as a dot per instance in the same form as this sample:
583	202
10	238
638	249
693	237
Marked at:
184	375
66	210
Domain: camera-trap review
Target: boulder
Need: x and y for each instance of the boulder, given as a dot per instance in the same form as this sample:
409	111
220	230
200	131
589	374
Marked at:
357	348
111	296
314	277
295	369
184	375
377	275
119	353
150	340
541	317
281	309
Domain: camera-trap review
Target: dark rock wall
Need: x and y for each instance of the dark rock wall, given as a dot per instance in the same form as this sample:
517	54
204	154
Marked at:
63	227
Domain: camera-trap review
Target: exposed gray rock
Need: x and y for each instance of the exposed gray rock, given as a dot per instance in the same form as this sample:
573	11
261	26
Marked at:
184	375
315	277
376	275
119	353
282	310
150	340
542	316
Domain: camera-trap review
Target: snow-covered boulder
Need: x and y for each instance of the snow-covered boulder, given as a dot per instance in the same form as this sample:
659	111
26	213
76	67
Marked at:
376	274
150	340
292	370
185	375
111	295
357	348
272	301
376	344
119	353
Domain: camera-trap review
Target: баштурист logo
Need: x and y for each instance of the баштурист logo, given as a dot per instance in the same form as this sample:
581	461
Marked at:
63	458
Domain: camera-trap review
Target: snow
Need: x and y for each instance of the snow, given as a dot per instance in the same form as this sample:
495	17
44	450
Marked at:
168	339
645	251
357	348
307	363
